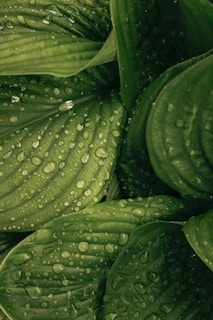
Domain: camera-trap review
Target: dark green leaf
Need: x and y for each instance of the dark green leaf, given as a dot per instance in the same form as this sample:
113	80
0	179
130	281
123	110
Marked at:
179	131
158	276
197	19
149	40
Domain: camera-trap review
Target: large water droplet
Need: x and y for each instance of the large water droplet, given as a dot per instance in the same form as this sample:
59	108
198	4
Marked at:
58	267
67	105
33	292
36	161
15	99
83	246
20	157
50	167
21	258
101	153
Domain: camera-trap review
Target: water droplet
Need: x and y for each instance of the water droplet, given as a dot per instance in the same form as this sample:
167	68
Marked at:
140	288
65	254
13	119
50	167
9	25
88	192
101	153
109	248
72	145
73	312
144	258
166	308
35	144
21	258
36	161
79	127
123	238
153	277
47	19
85	158
67	105
15	99
16	275
153	316
80	184
20	157
33	292
170	107
83	246
116	133
58	267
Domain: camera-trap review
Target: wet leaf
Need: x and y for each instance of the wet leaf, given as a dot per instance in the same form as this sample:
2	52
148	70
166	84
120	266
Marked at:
199	233
158	276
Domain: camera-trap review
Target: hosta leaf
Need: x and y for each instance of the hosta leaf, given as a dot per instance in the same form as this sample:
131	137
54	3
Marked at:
158	276
179	131
135	171
60	270
197	20
199	233
61	163
87	19
28	99
149	40
50	53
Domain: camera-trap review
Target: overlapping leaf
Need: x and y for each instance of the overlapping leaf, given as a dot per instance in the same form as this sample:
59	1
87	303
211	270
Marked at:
60	270
179	131
158	276
199	233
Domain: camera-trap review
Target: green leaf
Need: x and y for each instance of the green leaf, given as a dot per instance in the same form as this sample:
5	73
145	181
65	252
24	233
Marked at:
199	233
60	164
135	171
149	40
179	131
60	270
90	19
157	276
29	99
197	19
49	53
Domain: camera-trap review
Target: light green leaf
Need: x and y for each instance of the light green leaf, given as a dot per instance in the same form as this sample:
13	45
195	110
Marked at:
60	270
49	53
157	276
199	233
61	163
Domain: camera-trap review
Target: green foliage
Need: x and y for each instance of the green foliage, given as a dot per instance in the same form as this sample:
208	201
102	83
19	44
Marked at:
106	159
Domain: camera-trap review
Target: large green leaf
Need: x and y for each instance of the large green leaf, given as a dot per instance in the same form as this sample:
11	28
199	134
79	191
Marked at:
135	171
179	131
199	233
87	19
149	40
158	276
60	164
60	270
